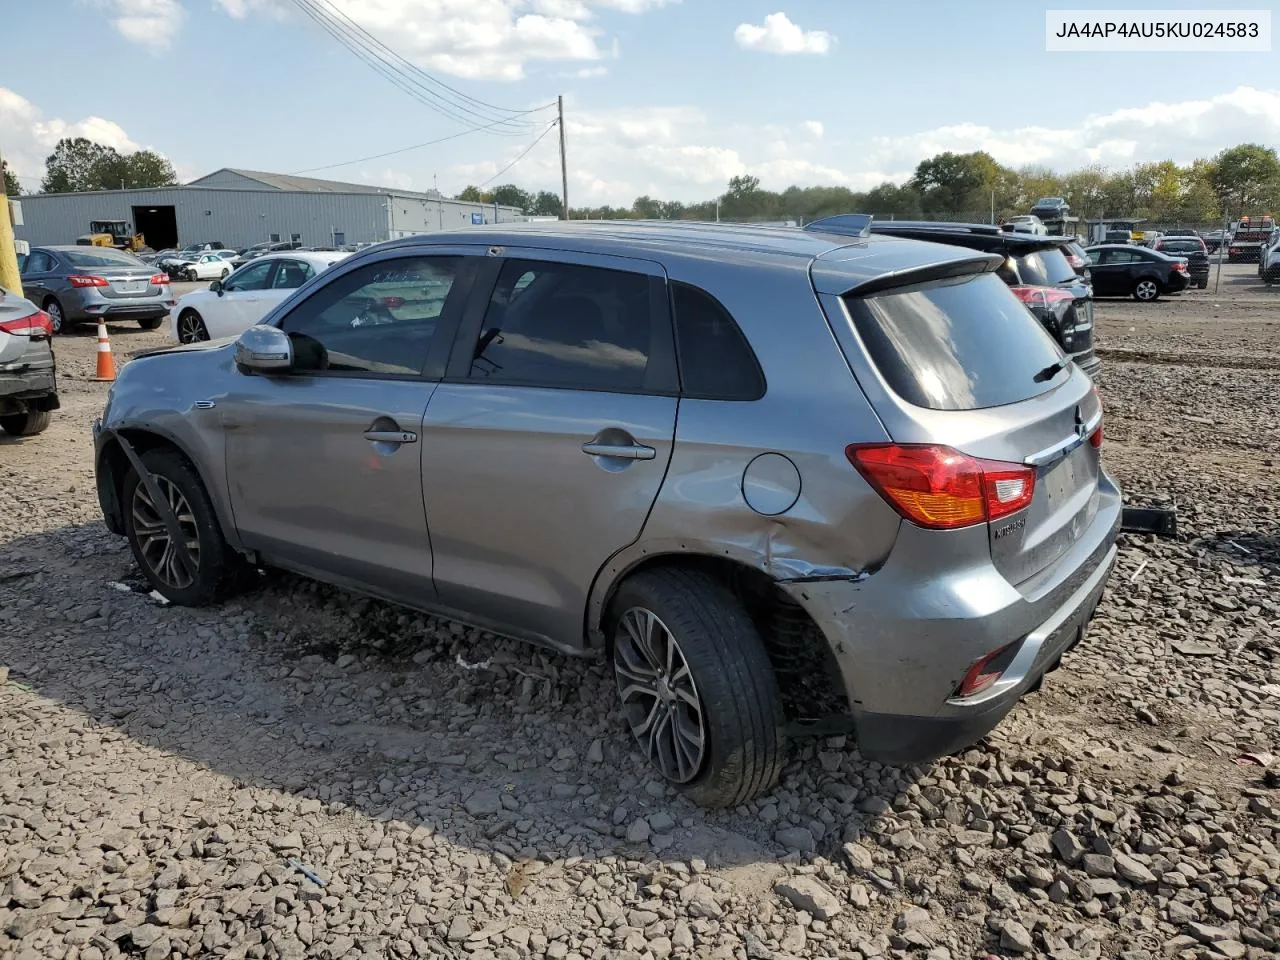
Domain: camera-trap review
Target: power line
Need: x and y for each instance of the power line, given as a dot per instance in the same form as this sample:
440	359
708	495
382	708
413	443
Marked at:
524	153
375	55
391	153
418	70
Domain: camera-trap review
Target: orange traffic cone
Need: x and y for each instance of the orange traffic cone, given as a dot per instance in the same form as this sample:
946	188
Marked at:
106	362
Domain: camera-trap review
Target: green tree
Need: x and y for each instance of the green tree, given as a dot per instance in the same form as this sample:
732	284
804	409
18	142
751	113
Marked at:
76	164
509	195
11	186
957	183
892	201
134	171
470	193
547	204
1245	177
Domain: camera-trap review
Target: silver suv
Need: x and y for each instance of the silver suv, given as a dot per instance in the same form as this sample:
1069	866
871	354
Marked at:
786	480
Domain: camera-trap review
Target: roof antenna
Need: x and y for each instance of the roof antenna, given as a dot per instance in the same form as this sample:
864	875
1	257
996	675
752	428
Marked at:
844	224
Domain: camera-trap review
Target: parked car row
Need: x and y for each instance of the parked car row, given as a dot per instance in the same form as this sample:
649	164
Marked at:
78	284
489	430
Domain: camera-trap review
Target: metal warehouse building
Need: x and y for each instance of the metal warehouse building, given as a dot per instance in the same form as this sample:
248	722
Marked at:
243	207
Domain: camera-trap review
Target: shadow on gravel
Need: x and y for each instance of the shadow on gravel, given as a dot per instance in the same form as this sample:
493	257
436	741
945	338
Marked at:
296	686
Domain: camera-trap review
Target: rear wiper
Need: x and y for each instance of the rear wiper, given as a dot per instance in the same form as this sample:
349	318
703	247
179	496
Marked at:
1051	371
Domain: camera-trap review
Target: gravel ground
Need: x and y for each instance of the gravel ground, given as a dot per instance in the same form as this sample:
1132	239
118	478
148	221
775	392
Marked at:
303	773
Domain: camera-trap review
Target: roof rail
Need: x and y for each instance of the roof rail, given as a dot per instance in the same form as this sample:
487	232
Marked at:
939	226
844	224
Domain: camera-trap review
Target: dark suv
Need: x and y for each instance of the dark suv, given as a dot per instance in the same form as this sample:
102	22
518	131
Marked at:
1038	270
28	384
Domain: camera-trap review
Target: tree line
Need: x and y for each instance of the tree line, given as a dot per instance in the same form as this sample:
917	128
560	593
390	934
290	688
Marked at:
971	186
78	164
966	186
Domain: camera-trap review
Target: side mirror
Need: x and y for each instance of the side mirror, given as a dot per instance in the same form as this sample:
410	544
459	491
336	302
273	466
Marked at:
216	287
264	349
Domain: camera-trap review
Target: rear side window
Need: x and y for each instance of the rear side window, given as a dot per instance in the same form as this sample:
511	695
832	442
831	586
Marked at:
962	344
1045	267
716	362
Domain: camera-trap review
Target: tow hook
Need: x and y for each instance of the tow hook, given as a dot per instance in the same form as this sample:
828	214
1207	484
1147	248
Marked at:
1153	521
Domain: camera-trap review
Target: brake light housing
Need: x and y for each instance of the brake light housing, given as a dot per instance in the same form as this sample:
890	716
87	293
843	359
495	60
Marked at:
35	324
76	280
159	280
985	671
1075	260
1095	438
939	488
1034	296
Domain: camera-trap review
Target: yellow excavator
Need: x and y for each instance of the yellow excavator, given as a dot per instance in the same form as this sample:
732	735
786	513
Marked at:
112	233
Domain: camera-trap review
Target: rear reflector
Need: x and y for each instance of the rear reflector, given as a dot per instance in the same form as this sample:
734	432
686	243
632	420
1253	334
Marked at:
940	488
986	671
78	281
36	324
1040	296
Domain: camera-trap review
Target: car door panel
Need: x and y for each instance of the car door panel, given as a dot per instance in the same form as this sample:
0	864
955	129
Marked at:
529	488
323	463
309	490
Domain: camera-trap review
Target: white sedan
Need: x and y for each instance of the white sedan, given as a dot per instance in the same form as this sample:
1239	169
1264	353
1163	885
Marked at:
230	306
206	266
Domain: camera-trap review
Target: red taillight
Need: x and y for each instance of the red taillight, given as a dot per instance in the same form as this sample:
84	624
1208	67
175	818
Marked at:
1040	296
1075	260
78	281
36	324
1233	250
393	303
159	280
1095	438
941	488
985	672
1181	266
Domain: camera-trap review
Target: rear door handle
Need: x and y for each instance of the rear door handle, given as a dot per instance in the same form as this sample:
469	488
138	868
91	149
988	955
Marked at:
391	436
620	451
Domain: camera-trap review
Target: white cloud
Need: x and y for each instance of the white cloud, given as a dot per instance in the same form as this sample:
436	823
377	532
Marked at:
29	136
476	39
586	73
779	35
1181	131
814	127
148	23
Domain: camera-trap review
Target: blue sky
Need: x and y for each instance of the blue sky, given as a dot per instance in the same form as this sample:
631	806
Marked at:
664	97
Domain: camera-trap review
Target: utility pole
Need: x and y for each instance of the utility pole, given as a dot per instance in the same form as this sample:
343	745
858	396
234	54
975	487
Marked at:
9	278
564	167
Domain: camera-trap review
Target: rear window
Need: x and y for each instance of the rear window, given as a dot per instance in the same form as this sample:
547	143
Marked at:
1045	267
1181	246
962	344
102	257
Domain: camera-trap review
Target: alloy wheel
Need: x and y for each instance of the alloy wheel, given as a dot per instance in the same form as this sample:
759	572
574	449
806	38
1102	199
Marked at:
154	543
1146	290
659	695
190	329
54	310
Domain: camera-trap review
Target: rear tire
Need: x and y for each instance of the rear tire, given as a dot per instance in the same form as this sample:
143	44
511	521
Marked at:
26	424
56	317
217	565
225	274
739	721
1203	285
151	323
1147	291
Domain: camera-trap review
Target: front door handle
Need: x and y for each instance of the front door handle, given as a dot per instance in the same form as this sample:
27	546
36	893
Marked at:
391	436
620	451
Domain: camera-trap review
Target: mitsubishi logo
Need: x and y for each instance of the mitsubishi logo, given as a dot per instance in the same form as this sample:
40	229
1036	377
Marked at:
1080	430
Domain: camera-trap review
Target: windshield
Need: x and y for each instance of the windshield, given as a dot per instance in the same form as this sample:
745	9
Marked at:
1045	267
962	344
101	257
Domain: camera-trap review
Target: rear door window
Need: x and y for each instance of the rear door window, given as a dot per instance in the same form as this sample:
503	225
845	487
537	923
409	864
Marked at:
962	344
1045	267
567	325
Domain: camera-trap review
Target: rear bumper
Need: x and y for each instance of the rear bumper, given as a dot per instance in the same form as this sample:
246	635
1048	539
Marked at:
29	390
92	306
904	637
